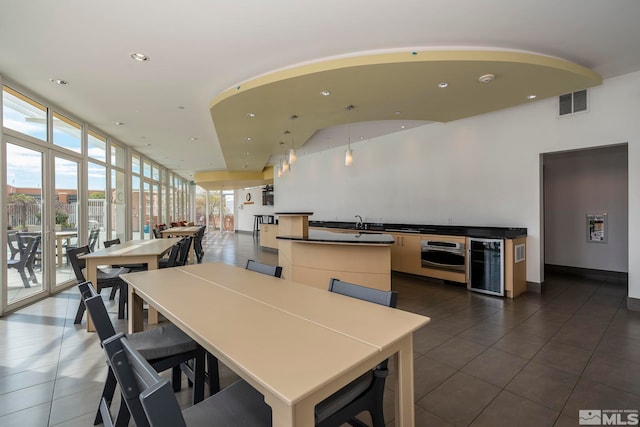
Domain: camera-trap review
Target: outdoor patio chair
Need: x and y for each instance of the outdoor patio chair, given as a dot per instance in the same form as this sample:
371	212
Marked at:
26	261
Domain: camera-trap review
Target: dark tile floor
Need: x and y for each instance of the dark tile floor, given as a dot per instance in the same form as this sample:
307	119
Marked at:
482	361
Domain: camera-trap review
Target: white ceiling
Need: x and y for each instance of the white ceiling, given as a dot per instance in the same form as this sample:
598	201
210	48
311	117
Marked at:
200	48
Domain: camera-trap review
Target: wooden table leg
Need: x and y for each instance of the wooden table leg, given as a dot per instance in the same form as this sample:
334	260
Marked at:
153	313
135	311
404	383
92	276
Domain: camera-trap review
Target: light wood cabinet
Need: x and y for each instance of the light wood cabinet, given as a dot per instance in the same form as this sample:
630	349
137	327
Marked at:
515	267
268	233
405	253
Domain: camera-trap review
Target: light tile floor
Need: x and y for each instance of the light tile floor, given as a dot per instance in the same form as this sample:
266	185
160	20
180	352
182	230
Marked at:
483	361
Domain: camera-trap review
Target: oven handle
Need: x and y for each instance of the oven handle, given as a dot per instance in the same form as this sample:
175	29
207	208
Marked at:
443	265
454	251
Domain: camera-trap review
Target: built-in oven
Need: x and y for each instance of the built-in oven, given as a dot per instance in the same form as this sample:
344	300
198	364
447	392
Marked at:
443	255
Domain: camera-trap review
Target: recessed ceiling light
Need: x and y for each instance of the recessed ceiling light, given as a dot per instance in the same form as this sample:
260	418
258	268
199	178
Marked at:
140	57
531	96
486	78
193	138
325	93
402	126
362	137
59	82
147	145
118	123
251	115
249	138
442	85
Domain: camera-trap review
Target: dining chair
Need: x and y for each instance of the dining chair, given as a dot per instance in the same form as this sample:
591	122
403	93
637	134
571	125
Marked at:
151	401
365	393
94	234
26	260
197	244
93	239
132	267
174	253
183	256
156	233
165	347
107	278
271	270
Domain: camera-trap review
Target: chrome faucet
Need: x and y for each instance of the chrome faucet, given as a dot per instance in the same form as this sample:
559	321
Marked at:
359	224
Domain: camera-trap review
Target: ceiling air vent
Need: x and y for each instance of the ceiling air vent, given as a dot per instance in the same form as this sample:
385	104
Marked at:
573	102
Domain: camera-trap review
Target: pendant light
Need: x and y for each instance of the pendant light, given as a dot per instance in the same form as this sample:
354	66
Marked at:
292	151
348	156
284	164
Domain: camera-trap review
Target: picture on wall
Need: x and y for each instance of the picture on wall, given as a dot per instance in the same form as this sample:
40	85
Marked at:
597	228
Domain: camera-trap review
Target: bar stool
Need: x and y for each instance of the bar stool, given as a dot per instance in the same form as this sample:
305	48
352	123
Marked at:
257	220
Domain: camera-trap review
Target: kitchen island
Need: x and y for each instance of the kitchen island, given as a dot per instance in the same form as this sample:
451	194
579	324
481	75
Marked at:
313	257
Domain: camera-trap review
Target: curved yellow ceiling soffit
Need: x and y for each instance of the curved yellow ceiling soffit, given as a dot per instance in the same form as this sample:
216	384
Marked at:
387	86
229	180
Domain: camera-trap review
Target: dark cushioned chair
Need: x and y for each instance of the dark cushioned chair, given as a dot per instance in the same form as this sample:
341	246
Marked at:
165	347
151	401
107	278
366	392
271	270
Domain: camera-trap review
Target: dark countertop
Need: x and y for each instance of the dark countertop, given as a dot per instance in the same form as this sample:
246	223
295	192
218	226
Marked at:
321	236
451	230
294	213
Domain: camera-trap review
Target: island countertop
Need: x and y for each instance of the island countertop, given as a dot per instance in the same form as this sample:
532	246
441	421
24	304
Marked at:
321	236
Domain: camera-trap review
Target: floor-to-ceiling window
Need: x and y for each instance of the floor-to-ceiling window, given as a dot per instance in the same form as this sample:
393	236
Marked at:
66	181
97	186
118	219
24	196
61	180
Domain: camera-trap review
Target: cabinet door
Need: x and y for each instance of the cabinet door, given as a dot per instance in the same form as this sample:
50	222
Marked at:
405	253
411	254
396	253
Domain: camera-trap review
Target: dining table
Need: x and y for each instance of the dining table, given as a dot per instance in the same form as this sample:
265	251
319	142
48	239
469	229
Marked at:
182	232
130	252
61	236
294	343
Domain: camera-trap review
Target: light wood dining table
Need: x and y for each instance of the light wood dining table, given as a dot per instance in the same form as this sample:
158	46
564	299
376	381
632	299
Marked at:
182	232
131	252
294	343
60	237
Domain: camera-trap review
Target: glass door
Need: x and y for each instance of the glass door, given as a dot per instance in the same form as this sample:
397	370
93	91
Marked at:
65	230
227	202
25	197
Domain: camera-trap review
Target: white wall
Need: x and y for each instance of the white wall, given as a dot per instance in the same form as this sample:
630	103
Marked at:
577	183
483	170
246	211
